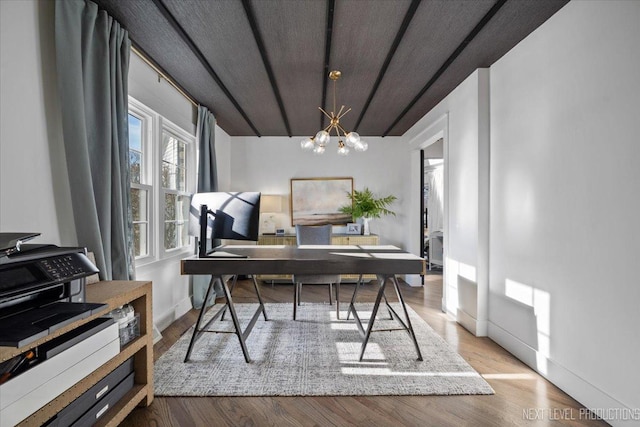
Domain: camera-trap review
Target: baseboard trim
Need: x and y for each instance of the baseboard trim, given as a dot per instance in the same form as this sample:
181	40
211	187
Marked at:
575	386
466	320
167	318
471	324
183	307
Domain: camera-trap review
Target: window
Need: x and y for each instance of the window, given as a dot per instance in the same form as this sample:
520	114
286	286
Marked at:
162	161
176	199
139	145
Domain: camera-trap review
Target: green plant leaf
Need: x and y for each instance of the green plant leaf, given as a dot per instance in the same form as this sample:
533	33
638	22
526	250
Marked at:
365	204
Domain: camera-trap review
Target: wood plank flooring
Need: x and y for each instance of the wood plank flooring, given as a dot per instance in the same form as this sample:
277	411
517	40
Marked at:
522	396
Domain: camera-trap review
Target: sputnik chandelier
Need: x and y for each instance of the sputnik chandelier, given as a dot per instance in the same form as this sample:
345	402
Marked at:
323	137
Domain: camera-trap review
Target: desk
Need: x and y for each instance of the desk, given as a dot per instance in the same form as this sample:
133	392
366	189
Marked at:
336	239
384	261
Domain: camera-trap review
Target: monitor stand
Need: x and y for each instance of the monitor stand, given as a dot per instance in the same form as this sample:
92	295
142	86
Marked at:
223	254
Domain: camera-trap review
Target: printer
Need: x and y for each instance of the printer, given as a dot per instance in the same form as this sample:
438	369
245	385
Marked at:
42	288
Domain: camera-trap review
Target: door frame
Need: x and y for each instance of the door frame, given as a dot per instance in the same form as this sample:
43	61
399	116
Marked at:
437	130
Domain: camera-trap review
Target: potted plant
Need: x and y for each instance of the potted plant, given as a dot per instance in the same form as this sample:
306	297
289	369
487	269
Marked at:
365	205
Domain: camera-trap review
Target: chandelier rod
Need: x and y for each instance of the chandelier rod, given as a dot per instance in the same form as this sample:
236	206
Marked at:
334	94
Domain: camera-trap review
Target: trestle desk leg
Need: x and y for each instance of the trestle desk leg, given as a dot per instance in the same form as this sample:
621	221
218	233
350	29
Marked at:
196	327
255	286
233	285
406	314
236	323
353	298
381	285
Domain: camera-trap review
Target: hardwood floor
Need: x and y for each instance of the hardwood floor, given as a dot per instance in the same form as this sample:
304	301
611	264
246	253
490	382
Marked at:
522	396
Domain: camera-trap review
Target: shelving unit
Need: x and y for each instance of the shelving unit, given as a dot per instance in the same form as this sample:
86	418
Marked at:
114	294
336	239
436	249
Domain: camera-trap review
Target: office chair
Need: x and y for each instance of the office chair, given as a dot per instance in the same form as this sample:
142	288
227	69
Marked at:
314	235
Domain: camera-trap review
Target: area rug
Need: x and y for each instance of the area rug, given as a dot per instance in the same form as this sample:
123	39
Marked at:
317	355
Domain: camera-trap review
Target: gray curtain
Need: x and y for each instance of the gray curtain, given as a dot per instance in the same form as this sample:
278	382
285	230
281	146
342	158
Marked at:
207	175
92	54
207	182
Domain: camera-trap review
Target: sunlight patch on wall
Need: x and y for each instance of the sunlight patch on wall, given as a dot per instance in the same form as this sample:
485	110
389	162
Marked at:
467	271
455	269
541	302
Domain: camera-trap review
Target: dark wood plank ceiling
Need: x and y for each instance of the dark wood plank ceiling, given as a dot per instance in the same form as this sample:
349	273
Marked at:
261	66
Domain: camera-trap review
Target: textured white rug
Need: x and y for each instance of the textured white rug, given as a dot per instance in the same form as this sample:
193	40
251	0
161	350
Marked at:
316	355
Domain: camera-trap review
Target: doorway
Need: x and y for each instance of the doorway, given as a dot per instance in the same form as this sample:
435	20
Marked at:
432	205
430	149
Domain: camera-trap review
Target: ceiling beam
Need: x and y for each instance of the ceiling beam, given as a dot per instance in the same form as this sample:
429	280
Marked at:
392	50
248	10
331	4
196	51
476	30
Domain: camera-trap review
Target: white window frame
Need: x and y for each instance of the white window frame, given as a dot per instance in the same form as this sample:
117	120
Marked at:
154	124
190	178
149	119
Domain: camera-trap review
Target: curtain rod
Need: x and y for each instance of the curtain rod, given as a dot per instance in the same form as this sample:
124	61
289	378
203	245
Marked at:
163	75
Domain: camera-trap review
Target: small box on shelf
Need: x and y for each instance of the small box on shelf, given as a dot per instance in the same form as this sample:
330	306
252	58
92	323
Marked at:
130	331
128	323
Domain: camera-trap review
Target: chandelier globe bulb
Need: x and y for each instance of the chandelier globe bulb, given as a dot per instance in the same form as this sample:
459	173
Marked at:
352	138
307	144
319	149
361	146
322	138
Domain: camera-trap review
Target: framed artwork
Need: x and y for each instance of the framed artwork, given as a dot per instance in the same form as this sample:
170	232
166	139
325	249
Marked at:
316	201
353	228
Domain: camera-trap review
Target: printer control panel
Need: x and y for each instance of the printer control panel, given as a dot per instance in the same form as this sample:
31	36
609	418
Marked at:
63	267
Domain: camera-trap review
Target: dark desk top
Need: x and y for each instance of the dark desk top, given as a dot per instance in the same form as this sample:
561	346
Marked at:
306	259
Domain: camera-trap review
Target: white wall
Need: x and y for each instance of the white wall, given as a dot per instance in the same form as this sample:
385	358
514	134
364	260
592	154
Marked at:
157	94
461	120
565	186
267	164
34	186
223	159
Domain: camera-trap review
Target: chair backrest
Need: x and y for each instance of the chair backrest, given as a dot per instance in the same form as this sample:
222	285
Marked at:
313	234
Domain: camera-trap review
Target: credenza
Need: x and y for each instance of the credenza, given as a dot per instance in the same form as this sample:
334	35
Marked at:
336	239
114	294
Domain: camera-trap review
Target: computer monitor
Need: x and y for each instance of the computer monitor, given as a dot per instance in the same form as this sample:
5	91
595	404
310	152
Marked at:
223	215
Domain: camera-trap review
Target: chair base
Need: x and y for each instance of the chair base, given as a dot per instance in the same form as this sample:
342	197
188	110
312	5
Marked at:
297	290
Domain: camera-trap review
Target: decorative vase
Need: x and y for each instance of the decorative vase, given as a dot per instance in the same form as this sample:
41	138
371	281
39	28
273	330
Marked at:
365	226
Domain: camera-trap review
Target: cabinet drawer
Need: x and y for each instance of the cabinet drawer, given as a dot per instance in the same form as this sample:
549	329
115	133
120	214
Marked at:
99	391
108	401
371	239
